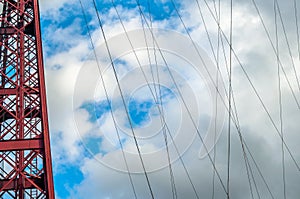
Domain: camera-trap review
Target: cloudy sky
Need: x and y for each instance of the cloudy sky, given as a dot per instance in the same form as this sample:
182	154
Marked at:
132	120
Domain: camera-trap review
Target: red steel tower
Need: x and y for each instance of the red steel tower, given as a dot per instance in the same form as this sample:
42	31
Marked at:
25	159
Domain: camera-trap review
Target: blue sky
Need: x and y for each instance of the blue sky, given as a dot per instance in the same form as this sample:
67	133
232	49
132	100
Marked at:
70	175
87	158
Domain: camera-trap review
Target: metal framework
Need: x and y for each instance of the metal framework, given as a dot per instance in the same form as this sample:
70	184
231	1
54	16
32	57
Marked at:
25	159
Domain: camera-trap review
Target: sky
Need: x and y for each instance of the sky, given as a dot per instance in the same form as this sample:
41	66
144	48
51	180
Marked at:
169	83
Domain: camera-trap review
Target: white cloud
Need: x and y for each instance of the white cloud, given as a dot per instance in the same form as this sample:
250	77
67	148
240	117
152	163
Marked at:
255	53
46	5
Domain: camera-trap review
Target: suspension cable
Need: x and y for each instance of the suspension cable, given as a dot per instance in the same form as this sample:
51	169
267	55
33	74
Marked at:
297	27
288	44
159	100
255	90
280	101
123	100
274	50
218	14
107	98
144	75
229	104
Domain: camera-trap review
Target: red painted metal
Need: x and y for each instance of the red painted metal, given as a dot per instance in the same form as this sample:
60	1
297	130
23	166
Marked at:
25	158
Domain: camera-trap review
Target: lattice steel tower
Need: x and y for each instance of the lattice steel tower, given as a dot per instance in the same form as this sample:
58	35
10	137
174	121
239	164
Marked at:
25	159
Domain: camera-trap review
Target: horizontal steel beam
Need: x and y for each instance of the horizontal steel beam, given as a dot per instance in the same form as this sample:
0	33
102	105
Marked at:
8	184
20	145
5	115
14	91
7	31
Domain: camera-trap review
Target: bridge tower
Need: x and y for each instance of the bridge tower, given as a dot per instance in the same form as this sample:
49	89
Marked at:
25	158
